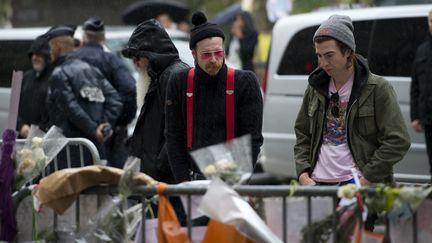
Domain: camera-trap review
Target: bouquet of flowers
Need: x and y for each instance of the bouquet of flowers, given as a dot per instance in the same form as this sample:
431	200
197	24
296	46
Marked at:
36	153
230	161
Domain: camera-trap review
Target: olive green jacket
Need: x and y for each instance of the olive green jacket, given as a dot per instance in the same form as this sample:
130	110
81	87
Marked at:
377	134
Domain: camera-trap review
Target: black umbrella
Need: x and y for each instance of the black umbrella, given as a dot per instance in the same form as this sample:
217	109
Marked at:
227	15
140	11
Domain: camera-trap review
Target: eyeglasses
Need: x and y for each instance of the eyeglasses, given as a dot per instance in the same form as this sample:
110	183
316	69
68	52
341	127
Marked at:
210	54
334	99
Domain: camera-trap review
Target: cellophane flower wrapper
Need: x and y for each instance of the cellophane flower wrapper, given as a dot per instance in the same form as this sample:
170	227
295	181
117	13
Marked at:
36	153
116	222
230	161
235	211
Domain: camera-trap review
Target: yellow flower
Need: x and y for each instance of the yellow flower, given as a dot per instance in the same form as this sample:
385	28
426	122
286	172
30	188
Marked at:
210	170
26	166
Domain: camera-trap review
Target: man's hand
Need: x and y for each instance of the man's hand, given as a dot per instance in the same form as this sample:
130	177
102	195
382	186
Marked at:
24	131
364	181
417	126
305	180
100	138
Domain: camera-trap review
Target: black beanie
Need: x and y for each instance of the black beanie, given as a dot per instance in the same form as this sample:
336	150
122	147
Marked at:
203	29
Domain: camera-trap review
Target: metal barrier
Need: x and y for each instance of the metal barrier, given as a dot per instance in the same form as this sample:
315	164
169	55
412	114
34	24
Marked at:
81	143
412	179
282	192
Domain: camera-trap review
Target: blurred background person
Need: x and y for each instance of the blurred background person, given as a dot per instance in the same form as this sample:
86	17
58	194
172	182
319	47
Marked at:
34	89
184	26
421	90
166	21
116	72
242	41
81	101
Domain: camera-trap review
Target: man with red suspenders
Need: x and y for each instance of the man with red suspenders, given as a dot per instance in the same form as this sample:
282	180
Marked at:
210	103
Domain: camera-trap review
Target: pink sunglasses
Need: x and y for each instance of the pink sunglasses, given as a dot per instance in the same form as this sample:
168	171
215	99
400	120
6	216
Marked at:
208	55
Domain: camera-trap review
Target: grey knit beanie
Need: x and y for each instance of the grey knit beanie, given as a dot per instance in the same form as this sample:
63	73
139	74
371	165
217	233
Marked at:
339	27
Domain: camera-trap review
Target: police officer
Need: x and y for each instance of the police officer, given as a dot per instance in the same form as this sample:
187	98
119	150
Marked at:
116	72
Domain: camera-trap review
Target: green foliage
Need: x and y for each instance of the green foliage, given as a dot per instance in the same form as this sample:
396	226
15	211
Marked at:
304	6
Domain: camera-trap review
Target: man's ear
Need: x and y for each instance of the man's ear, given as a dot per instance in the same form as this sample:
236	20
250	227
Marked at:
194	54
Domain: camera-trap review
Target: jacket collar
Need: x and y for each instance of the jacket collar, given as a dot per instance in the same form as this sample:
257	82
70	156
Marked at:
63	58
206	79
320	80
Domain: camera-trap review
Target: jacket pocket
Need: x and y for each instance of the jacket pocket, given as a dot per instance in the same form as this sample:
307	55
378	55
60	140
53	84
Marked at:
366	121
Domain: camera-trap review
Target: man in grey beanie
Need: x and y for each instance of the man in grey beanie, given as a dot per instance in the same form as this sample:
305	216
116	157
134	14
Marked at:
350	122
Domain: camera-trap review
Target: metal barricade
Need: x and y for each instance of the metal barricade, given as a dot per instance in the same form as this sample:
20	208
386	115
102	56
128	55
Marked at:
80	144
283	192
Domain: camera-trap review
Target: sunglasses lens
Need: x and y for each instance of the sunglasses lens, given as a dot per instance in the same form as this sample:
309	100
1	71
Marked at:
209	55
206	55
219	54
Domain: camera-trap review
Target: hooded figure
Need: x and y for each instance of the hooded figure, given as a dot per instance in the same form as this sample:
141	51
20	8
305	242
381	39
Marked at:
157	61
34	89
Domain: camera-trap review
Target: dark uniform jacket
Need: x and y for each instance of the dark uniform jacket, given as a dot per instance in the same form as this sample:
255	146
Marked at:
81	98
116	72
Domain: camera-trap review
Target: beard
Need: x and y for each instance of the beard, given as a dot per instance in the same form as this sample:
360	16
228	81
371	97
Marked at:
213	68
38	67
142	86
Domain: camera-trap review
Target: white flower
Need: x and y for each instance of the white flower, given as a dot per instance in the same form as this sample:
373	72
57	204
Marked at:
407	194
210	170
24	153
348	191
226	166
26	166
39	154
37	141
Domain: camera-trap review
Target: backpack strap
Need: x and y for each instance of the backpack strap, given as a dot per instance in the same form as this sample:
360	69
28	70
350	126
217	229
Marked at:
229	109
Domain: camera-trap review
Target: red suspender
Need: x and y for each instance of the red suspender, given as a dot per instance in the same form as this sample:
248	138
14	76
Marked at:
189	108
229	98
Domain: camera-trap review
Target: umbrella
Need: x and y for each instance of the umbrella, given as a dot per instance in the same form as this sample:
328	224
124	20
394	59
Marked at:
140	11
227	15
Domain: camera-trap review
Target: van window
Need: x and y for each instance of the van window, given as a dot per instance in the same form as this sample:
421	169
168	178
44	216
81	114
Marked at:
392	50
13	56
299	57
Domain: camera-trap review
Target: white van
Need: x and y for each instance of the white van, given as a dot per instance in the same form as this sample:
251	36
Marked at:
387	36
14	44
